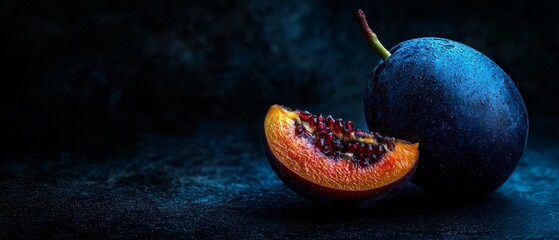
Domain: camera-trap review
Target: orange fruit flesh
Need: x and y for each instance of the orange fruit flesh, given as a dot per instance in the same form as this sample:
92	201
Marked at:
301	157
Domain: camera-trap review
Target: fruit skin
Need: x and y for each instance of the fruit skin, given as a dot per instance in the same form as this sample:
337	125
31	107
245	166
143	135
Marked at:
322	179
464	110
330	196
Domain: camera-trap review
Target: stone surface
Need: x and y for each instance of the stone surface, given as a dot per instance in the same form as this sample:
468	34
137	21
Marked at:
217	183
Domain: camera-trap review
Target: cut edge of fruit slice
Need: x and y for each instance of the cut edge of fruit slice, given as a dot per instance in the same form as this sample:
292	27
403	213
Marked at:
302	158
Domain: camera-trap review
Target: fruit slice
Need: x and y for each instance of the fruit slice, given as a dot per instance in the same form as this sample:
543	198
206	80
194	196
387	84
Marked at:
328	161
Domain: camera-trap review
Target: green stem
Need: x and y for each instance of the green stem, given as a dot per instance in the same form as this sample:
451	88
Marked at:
371	36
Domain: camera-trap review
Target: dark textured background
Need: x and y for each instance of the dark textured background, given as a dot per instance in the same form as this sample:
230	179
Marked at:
143	118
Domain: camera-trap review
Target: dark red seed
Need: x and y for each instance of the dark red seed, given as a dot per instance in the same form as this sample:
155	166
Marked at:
338	125
313	122
352	147
349	126
329	137
320	118
330	121
362	149
322	132
358	156
299	130
336	128
305	116
336	144
320	143
321	125
369	150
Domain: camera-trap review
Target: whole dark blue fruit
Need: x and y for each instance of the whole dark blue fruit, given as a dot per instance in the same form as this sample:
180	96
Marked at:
463	109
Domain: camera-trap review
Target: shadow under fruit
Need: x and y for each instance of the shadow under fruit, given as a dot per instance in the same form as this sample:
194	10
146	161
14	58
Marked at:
463	109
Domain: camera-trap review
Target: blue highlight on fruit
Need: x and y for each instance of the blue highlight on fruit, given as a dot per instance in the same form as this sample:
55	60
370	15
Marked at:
465	111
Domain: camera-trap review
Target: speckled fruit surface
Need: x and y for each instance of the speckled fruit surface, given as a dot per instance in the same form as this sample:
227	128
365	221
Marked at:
465	111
